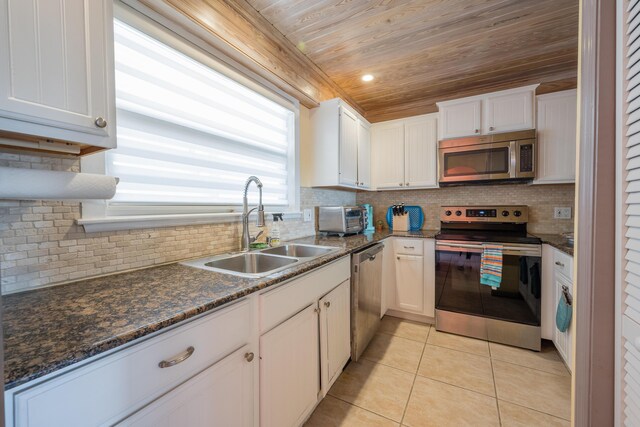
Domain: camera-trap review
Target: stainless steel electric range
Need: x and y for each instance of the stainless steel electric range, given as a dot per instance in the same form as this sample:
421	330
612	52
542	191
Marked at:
509	313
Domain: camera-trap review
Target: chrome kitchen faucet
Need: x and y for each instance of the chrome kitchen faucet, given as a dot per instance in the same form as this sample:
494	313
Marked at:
246	239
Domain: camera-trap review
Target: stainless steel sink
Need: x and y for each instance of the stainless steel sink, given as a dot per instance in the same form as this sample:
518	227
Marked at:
299	251
254	264
261	263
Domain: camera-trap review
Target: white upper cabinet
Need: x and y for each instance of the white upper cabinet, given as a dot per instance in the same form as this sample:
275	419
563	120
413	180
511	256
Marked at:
364	155
420	151
460	118
338	148
387	146
348	148
57	79
404	153
509	111
504	111
557	116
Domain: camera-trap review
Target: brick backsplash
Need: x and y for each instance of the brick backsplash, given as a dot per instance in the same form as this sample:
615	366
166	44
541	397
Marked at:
541	200
41	245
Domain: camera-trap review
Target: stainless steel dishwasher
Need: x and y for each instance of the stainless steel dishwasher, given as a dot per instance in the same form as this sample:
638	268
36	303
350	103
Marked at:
366	296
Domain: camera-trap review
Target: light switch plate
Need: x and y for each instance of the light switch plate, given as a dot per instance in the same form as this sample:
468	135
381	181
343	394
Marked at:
307	215
562	213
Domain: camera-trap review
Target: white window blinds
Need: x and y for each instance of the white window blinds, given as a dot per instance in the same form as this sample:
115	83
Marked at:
631	285
189	135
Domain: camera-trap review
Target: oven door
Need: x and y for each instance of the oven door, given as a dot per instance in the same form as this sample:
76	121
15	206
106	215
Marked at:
479	162
458	287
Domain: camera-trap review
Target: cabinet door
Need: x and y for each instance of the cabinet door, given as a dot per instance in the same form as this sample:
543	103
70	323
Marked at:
221	395
57	69
388	155
504	112
335	333
348	148
421	146
557	116
364	155
561	339
289	378
429	278
460	119
410	283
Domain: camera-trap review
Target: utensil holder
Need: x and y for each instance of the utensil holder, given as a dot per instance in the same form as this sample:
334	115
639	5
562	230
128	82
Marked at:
401	223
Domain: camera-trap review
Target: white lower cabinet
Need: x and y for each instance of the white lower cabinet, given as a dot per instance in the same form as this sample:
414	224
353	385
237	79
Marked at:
412	288
306	342
557	271
410	282
222	395
289	381
335	333
111	388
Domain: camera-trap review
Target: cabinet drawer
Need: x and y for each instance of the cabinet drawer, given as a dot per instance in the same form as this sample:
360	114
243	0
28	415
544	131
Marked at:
408	246
563	263
105	391
283	302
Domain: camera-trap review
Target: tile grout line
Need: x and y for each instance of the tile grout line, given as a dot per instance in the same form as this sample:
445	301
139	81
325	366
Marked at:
360	407
534	410
457	386
532	368
406	406
495	385
399	336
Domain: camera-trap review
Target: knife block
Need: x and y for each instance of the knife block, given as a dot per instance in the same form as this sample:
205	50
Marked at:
401	223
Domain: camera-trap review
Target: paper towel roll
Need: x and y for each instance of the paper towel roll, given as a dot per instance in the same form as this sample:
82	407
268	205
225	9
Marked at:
34	184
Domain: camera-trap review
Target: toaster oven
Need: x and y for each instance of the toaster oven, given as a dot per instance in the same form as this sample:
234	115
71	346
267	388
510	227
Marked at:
340	220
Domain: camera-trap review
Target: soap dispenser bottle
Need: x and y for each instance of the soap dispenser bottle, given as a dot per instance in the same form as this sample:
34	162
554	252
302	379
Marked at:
275	230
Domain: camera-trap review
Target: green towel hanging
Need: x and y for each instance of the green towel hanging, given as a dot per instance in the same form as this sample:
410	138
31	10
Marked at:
564	310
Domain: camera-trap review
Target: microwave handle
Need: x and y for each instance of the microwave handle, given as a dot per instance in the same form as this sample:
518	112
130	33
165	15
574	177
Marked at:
514	154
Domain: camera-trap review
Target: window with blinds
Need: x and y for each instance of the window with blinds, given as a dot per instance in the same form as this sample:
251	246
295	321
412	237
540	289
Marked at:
631	285
189	136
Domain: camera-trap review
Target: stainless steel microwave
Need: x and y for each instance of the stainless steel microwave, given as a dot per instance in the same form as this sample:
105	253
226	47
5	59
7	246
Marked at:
498	157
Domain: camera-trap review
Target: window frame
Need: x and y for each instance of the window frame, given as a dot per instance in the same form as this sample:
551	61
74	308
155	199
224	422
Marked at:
98	215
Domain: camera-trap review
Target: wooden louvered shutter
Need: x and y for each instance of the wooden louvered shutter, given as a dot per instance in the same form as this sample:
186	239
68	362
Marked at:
631	284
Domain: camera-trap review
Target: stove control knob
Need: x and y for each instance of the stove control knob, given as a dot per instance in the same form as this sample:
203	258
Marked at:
447	213
517	213
505	213
458	213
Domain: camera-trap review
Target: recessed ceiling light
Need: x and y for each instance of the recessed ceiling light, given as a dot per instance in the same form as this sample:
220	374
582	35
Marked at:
367	78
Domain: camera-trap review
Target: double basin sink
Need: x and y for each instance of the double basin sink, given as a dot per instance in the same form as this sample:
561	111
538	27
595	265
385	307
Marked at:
261	263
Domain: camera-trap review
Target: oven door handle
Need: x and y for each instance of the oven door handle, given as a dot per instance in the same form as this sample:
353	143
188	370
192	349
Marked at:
507	250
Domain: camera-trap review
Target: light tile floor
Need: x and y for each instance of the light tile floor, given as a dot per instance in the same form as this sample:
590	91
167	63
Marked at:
413	375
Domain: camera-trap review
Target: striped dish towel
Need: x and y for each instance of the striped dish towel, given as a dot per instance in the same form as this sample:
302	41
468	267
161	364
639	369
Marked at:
491	265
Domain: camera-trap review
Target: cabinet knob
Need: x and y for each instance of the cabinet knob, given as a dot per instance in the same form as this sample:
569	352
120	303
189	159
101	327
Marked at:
101	123
248	357
491	128
477	130
400	184
558	263
407	184
316	310
327	304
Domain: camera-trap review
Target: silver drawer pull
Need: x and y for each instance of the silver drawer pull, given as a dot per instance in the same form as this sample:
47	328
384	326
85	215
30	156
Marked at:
101	122
178	359
558	263
249	357
409	247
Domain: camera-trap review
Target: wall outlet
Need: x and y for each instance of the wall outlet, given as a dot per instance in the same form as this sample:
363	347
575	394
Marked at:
562	213
307	214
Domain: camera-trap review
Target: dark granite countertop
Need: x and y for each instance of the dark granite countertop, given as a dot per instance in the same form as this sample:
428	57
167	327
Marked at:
558	241
48	329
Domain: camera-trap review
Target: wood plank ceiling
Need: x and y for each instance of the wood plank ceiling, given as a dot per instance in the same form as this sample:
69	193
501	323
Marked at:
424	51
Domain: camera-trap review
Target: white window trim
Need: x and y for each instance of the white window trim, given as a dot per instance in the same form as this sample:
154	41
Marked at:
95	217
